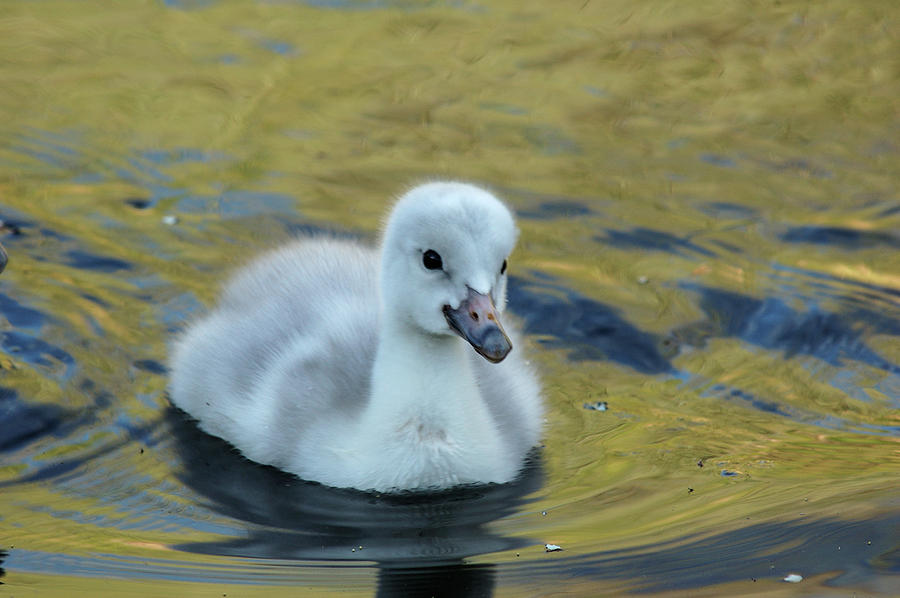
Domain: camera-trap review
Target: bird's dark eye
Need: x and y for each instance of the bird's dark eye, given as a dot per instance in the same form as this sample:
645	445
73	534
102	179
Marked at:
432	260
503	267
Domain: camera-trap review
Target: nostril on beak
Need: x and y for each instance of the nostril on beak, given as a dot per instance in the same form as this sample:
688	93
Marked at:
474	315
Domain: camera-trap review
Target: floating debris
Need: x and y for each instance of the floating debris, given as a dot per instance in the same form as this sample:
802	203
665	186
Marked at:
643	280
544	513
552	548
700	463
170	220
793	578
598	406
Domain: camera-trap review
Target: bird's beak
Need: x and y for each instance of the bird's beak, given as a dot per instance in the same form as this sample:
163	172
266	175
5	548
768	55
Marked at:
476	320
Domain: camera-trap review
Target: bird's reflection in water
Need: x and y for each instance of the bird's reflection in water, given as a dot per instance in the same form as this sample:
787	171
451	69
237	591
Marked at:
418	540
442	581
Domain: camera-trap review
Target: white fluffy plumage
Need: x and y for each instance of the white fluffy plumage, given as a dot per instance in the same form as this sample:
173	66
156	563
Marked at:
337	362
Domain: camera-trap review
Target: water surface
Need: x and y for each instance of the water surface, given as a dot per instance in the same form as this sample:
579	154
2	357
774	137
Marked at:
708	205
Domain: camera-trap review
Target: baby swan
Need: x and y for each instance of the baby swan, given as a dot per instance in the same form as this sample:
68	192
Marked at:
346	365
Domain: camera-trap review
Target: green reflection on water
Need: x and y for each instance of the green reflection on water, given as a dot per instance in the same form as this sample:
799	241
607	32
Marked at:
723	126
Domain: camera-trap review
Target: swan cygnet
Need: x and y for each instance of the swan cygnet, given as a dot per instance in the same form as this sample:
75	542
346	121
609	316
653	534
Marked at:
354	367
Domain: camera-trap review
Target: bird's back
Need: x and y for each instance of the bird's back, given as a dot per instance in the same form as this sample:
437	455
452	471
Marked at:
292	341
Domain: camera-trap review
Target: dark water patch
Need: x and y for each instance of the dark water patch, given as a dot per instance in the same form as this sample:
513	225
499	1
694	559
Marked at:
772	324
504	108
788	275
177	311
765	552
148	170
22	423
11	227
845	238
20	315
85	260
146	568
448	581
727	246
297	229
718	160
652	240
563	208
540	205
798	414
796	165
182	155
588	329
755	402
890	211
151	365
137	431
95	300
597	92
238	204
52	234
34	350
61	469
281	48
728	211
58	157
188	4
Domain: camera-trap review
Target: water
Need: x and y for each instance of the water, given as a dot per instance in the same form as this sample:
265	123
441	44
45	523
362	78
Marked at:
709	215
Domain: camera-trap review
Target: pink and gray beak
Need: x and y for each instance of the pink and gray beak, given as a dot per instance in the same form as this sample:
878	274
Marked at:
476	320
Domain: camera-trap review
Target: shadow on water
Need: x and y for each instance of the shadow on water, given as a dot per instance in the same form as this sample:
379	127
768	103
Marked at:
418	540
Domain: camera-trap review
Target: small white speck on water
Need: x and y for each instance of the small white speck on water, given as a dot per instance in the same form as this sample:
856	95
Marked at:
544	513
643	280
793	578
170	220
552	548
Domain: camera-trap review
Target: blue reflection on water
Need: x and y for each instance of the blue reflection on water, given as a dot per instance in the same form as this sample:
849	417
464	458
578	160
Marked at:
772	324
588	329
652	240
846	238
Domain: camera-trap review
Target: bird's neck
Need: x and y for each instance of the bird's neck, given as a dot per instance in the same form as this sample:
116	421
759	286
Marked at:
423	380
